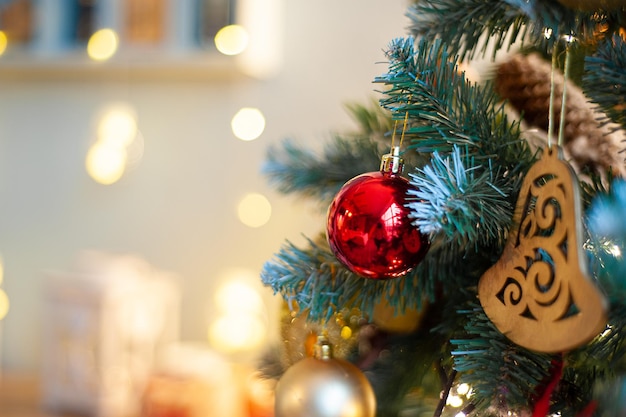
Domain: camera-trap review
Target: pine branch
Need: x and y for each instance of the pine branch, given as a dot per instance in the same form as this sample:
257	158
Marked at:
450	116
466	23
293	168
296	169
444	110
478	26
312	280
371	119
464	204
408	364
421	89
504	376
602	360
604	81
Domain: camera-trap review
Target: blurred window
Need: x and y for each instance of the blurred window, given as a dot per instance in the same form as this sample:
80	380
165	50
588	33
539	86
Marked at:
144	21
16	20
214	15
84	19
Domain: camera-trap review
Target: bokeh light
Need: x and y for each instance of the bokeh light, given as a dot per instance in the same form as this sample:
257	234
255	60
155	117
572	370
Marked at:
463	389
454	401
240	324
231	40
102	45
4	42
119	144
118	126
4	299
237	332
254	210
238	297
4	304
105	164
248	123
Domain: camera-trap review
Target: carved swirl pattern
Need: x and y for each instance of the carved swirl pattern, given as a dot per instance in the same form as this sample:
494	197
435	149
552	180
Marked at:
538	293
542	241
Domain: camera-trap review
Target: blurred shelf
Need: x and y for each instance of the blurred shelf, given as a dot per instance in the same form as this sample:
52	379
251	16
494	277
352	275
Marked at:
125	65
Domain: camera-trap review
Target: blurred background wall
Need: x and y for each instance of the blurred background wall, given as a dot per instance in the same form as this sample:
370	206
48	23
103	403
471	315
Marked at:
176	208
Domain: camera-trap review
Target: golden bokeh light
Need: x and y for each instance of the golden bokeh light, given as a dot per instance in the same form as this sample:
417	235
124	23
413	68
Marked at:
118	126
105	164
241	314
248	123
454	401
237	332
119	144
102	45
4	304
238	297
4	42
231	40
254	210
463	389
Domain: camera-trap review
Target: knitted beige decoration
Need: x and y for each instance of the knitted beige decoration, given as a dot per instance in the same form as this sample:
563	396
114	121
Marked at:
524	80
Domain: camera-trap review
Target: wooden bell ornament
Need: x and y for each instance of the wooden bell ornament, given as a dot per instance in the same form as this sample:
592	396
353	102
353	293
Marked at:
539	293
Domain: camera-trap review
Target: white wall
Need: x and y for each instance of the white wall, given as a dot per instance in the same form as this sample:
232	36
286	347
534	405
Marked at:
177	208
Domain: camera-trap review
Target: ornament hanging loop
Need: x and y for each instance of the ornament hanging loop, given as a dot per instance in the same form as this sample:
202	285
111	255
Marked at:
323	349
392	163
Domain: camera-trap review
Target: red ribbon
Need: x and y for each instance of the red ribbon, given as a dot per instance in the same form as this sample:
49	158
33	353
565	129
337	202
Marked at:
588	410
542	407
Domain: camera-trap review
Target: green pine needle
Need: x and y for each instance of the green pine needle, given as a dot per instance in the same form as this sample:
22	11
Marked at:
502	375
293	168
467	23
605	79
469	27
464	204
312	280
444	110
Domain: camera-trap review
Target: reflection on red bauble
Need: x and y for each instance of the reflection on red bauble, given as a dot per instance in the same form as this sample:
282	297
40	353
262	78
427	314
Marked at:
369	229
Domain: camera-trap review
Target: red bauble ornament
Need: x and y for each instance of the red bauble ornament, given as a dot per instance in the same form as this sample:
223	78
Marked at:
368	226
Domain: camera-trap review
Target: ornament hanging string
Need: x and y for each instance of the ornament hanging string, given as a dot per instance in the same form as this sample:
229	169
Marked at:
395	129
566	73
551	101
569	39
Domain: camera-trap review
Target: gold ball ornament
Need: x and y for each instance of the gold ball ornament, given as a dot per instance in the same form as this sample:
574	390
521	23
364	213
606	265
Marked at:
386	318
324	386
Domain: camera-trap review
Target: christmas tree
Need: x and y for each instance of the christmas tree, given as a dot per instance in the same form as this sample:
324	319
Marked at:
475	268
